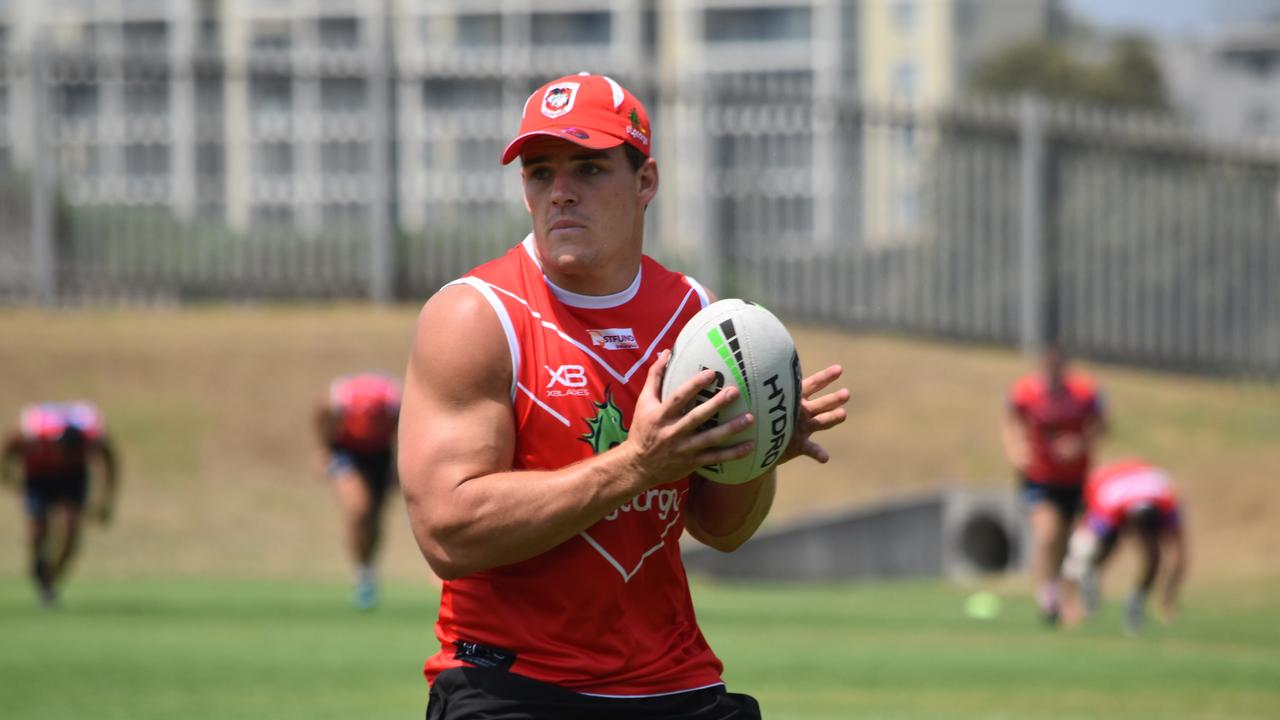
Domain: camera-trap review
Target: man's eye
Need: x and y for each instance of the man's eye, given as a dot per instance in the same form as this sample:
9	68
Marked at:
590	169
538	173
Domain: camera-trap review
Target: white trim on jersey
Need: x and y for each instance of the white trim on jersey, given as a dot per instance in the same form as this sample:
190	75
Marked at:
513	343
697	287
543	405
621	377
662	541
586	302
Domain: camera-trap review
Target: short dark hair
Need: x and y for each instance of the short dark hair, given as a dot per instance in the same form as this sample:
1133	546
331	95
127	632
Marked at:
635	158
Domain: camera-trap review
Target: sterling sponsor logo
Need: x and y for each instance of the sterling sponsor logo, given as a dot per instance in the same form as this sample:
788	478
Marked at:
614	338
662	501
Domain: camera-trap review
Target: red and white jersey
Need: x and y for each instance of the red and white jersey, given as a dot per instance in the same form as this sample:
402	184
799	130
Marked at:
42	426
1115	489
1048	416
367	406
607	612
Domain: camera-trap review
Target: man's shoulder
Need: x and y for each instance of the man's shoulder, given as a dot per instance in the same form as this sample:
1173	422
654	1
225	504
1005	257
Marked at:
1027	388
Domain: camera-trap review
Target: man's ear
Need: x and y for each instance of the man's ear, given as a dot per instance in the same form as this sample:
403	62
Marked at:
647	181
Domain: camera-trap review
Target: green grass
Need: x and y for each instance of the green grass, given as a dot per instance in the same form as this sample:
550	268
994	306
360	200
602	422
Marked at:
236	649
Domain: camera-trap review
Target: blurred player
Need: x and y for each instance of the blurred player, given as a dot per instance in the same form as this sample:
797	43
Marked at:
357	428
61	447
1052	424
1135	498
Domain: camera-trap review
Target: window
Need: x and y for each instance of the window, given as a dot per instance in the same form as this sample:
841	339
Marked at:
479	30
905	81
583	28
759	24
145	36
271	36
339	33
904	16
338	94
273	158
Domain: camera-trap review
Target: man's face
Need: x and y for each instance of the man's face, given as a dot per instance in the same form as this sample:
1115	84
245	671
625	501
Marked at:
587	207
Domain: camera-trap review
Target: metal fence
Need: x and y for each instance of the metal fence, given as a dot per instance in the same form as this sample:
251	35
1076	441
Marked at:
145	177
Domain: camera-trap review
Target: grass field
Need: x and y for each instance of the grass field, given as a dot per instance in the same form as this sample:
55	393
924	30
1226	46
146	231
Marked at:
220	590
270	650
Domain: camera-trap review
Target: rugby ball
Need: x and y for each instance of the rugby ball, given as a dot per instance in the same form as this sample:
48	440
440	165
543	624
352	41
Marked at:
748	347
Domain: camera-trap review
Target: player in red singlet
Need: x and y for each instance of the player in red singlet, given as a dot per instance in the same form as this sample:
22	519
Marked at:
357	428
546	480
60	447
1053	421
1135	498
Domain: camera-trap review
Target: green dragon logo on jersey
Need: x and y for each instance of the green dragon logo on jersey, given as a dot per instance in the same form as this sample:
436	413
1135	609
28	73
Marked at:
606	429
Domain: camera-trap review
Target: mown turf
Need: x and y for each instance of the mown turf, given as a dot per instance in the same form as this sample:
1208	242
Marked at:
265	650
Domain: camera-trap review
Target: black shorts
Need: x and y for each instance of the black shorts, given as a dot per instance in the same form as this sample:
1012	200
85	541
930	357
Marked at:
471	693
67	488
376	469
1067	499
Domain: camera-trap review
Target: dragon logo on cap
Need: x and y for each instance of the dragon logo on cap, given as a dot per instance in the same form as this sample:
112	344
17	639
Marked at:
558	100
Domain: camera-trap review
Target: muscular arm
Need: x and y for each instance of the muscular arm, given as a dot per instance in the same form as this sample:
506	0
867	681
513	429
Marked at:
9	458
468	509
1013	433
1175	559
105	453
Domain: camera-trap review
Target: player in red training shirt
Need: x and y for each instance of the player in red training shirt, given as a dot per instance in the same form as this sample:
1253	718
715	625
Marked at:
357	428
1053	421
60	447
1127	497
547	481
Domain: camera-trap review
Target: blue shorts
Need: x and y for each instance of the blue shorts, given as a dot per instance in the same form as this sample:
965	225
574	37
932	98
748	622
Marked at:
1103	528
376	470
1067	499
45	491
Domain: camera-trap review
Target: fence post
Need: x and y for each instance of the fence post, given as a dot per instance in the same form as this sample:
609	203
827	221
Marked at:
381	287
1032	204
44	166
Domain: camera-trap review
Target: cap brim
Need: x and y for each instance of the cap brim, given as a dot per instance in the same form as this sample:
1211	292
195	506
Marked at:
594	140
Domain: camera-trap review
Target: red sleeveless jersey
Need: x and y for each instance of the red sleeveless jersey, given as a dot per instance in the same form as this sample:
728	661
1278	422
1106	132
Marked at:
42	427
368	406
1048	416
607	612
1117	488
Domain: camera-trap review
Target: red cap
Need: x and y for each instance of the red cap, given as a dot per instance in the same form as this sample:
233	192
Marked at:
593	111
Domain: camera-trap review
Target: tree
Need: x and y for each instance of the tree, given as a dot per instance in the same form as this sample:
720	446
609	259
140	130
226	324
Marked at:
1129	78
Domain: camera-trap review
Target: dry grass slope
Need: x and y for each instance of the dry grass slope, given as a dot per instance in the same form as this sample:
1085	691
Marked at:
210	408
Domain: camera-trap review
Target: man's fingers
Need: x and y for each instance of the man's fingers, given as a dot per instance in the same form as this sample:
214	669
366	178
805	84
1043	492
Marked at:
653	384
716	455
704	412
817	406
683	395
827	420
820	379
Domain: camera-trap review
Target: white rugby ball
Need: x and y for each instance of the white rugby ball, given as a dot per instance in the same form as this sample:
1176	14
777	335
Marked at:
748	347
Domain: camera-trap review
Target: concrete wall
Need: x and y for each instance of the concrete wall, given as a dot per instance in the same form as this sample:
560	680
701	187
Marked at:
955	533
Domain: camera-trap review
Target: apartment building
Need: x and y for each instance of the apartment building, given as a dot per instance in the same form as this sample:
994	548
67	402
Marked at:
300	114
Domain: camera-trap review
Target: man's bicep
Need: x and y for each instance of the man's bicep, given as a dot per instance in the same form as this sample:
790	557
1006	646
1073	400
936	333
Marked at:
455	417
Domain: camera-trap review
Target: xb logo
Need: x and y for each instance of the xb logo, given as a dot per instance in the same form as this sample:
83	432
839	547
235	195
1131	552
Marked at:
573	377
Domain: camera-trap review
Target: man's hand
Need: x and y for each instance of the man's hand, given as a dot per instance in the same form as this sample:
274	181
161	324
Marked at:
664	440
817	414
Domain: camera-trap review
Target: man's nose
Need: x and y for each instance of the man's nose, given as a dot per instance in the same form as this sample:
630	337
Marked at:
562	190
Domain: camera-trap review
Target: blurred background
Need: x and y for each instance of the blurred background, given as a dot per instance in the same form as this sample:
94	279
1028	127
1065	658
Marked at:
210	208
